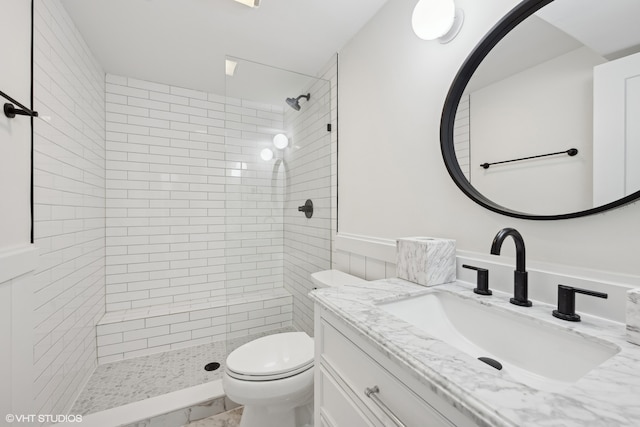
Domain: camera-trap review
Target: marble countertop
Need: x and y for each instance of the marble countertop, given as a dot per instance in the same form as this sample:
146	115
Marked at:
607	396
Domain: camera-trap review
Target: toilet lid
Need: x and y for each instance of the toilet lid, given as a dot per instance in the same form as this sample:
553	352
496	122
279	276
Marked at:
273	356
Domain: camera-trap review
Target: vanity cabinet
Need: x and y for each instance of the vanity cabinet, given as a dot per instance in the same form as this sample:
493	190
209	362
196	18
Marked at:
347	364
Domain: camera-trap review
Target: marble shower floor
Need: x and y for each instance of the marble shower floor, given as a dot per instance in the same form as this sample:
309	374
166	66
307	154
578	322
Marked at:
132	380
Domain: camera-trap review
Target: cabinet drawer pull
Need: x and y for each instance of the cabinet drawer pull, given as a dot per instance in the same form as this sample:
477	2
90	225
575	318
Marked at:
371	393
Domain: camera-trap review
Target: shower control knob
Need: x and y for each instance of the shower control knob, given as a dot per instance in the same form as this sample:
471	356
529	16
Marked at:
307	208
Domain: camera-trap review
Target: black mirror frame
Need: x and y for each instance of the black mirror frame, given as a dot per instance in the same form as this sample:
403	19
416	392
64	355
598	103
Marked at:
497	33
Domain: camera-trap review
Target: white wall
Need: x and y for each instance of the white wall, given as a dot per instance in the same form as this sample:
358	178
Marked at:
69	195
545	109
15	134
392	88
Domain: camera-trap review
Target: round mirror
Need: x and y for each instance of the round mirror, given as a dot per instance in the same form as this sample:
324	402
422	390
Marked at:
541	121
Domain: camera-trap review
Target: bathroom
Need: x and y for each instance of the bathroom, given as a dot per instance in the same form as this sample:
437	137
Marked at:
392	88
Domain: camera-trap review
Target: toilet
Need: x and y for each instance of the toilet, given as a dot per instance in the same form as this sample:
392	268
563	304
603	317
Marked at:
272	376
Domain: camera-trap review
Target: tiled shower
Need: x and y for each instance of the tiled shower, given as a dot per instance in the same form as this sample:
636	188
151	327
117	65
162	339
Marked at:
160	226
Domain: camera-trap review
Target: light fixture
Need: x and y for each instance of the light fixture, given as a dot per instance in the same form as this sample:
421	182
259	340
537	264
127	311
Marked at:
437	20
281	141
250	3
266	154
230	67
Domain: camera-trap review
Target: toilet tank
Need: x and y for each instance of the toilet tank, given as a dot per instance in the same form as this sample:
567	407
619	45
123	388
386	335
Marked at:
333	278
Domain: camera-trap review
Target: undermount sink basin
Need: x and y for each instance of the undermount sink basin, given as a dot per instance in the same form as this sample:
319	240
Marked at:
542	356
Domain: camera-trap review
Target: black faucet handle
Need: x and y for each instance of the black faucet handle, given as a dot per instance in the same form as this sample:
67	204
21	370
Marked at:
567	302
482	280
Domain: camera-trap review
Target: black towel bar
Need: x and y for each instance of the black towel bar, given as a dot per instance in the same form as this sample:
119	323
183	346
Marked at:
11	111
571	152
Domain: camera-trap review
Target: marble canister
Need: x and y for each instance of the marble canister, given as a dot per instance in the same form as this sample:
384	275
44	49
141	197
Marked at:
633	316
427	261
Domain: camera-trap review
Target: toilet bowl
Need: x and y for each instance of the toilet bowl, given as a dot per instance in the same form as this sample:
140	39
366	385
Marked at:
272	376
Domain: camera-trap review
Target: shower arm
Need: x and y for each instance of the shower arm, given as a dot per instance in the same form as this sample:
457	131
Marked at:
308	96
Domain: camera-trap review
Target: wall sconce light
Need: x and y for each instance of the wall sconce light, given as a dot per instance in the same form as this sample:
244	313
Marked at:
437	20
281	141
266	154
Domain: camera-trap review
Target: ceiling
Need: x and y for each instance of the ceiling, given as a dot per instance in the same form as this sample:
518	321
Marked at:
531	43
184	42
610	28
607	28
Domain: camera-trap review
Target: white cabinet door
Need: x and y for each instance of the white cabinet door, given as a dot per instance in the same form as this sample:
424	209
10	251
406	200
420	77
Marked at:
616	129
336	408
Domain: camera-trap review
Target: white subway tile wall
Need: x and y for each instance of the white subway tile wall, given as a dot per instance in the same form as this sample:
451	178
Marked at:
254	191
127	335
191	210
307	247
69	195
194	219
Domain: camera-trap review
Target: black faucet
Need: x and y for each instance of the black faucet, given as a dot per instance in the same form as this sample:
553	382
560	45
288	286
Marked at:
520	285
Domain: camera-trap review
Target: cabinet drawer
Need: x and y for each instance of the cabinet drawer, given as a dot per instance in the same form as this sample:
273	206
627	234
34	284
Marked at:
337	409
360	371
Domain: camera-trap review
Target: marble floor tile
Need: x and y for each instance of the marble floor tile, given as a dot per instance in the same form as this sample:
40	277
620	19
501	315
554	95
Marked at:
132	380
226	419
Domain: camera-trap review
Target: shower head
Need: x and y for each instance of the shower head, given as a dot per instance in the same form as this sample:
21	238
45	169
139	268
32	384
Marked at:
295	102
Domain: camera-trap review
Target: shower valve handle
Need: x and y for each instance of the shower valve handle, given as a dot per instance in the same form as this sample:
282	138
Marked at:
307	208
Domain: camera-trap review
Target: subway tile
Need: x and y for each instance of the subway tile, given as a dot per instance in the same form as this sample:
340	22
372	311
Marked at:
169	339
205	332
171	99
146	333
237	326
126	109
150	104
193	111
143	84
148	122
190	93
146	351
166	115
190	326
126	91
208	313
167	320
108	350
109	339
113	328
68	228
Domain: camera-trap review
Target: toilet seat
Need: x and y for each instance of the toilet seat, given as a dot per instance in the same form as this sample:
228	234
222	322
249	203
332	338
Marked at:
279	356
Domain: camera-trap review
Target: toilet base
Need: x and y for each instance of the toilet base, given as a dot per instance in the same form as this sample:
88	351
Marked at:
265	416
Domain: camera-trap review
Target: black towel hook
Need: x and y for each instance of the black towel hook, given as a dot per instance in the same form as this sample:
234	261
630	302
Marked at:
11	111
